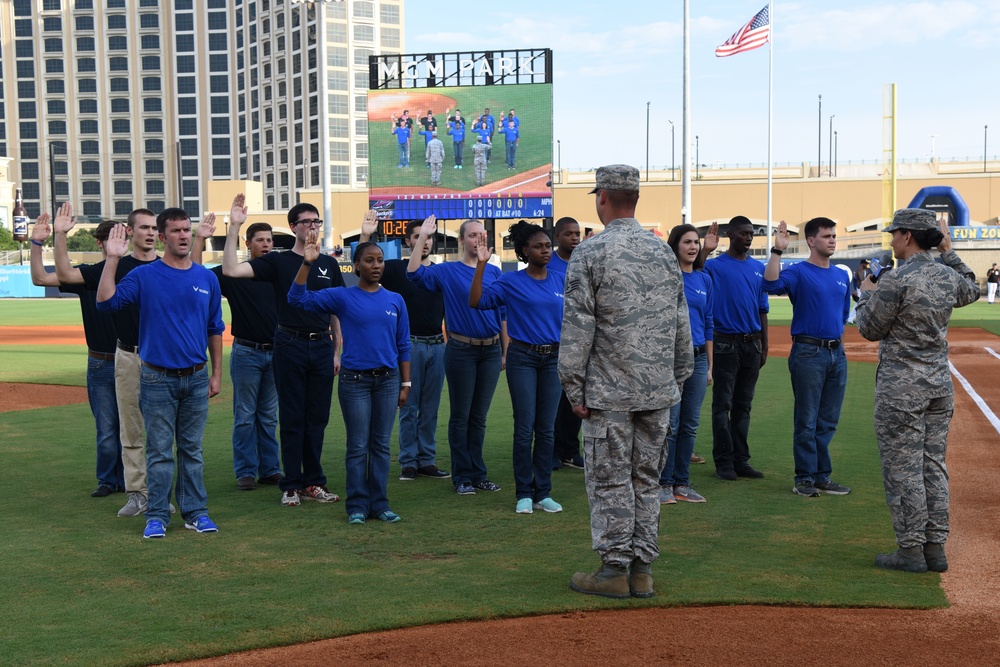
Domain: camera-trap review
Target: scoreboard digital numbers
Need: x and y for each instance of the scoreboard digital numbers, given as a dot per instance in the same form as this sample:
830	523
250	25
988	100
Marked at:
399	209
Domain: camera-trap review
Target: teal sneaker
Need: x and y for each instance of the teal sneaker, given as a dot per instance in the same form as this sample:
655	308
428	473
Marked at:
356	519
548	505
154	528
389	516
523	506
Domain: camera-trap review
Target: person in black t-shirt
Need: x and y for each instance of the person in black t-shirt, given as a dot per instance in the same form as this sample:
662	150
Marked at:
251	368
128	366
99	330
425	309
306	351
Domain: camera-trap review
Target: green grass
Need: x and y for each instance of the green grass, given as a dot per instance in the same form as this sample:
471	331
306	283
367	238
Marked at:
979	314
63	312
81	587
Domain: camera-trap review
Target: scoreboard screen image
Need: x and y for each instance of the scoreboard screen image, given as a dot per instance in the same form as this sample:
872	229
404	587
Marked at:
413	174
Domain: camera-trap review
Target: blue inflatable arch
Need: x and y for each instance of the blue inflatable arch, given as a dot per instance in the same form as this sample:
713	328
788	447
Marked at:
959	209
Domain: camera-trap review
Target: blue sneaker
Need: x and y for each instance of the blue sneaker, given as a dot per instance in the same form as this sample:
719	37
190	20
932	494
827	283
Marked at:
202	524
466	489
548	505
356	519
523	506
154	528
389	516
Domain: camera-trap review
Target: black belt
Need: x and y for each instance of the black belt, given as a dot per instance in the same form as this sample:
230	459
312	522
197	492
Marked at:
382	371
743	338
818	342
700	350
103	356
428	340
305	335
260	347
132	349
175	372
540	349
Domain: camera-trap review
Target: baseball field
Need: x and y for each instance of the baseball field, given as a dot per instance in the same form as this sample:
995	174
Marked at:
756	575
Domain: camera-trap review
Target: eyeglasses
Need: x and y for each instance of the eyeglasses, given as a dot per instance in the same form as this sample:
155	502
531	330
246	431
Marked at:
316	222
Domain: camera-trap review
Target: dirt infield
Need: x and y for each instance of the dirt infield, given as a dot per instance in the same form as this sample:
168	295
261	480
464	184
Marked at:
17	396
969	631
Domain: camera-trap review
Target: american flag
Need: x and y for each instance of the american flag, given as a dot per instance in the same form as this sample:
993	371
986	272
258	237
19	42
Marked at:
754	34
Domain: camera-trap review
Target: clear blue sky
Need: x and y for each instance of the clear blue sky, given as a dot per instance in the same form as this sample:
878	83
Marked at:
612	57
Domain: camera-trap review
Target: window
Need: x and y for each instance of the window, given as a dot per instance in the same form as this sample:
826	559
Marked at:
361	56
149	21
187	126
123	208
27	109
22	28
340	151
339	174
269	159
338	128
337	33
85	23
121	146
184	22
185	64
118	64
361	104
189	146
88	106
119	105
364	9
154	146
116	4
84	43
154	167
119	85
220	104
24	48
218	62
92	188
185	85
28	131
154	187
388	13
121	126
221	167
152	126
123	188
57	127
363	33
25	69
190	188
122	167
361	127
61	168
84	4
338	104
219	83
53	45
25	89
284	200
55	87
183	4
87	65
149	3
57	107
150	84
220	145
337	80
314	176
217	20
220	126
54	66
52	25
116	22
150	42
92	208
187	106
152	104
29	171
185	43
362	173
117	43
217	41
150	63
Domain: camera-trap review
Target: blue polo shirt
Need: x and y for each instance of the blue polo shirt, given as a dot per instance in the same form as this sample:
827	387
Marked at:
454	281
534	307
821	298
510	134
701	302
457	131
738	293
402	134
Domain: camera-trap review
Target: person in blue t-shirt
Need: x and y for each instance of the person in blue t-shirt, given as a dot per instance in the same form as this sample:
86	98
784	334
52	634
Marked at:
675	484
473	356
402	133
491	123
180	315
534	301
511	136
821	301
740	341
456	128
375	373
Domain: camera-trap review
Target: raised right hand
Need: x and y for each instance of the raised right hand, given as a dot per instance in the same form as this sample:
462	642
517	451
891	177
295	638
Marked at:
781	236
484	252
238	213
370	223
42	229
429	227
64	219
117	244
311	251
206	228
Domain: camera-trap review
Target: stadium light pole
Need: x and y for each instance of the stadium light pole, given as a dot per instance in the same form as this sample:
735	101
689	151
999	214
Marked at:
835	153
819	141
697	159
829	139
673	175
985	128
647	141
559	157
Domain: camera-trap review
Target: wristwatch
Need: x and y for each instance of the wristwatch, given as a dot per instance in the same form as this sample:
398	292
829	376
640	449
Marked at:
306	262
776	251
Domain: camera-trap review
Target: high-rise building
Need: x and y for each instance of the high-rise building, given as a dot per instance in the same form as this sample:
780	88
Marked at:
120	104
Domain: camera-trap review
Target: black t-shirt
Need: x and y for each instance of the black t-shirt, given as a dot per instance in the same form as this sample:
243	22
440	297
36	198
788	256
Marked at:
98	327
127	319
252	305
279	269
424	307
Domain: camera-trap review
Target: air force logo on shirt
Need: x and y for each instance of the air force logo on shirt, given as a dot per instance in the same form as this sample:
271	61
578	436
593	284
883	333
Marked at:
323	272
392	313
199	289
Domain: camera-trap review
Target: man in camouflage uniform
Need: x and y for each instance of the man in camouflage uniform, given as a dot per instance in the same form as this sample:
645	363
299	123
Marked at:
479	152
434	154
908	311
625	350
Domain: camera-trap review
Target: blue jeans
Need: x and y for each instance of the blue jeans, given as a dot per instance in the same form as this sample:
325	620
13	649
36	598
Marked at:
174	408
533	380
369	407
737	365
255	412
458	147
819	380
404	155
684	420
472	373
104	406
418	417
303	375
511	153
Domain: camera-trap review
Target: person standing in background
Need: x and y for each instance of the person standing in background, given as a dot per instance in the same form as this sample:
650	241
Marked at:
992	281
566	445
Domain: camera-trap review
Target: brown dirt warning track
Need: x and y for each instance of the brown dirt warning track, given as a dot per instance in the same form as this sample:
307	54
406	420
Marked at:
967	633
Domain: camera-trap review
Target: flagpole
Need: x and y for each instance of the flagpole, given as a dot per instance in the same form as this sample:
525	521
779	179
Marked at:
686	125
770	112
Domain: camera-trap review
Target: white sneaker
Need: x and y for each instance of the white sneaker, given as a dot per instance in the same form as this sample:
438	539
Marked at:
290	498
319	494
136	505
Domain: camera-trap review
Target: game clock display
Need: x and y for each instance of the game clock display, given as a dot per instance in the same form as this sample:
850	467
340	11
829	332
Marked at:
454	207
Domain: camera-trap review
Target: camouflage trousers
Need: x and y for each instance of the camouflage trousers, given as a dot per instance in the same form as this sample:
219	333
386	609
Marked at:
623	455
436	173
912	440
480	172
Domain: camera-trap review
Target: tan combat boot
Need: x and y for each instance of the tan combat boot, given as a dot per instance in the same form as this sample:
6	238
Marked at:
907	559
611	581
640	579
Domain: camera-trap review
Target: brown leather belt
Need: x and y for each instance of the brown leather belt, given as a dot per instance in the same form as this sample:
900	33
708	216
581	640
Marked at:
478	342
103	356
175	372
818	342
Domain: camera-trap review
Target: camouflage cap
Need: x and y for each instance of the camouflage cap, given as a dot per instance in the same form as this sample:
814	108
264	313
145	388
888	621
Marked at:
912	219
617	177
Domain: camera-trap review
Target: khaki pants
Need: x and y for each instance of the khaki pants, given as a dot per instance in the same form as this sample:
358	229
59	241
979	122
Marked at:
128	370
